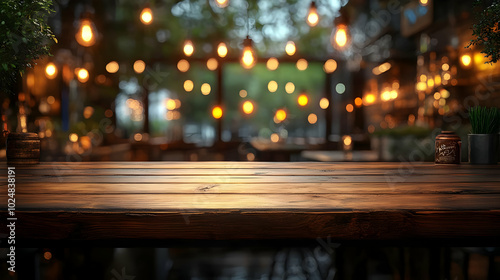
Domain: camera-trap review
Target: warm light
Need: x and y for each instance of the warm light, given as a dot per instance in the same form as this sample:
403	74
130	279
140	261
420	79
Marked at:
188	48
247	107
349	108
312	16
466	60
301	64
324	103
395	85
347	140
445	67
272	86
170	104
243	93
370	98
280	115
248	57
108	113
446	76
272	64
85	35
442	102
384	67
183	65
73	137
47	255
250	156
302	100
51	100
205	89
83	75
358	102
437	80
289	87
430	82
212	64
146	16
217	112
394	94
188	85
138	137
275	137
424	2
139	66
112	67
88	112
330	66
221	3
386	95
222	49
437	95
312	118
177	103
290	48
339	37
444	93
51	70
421	86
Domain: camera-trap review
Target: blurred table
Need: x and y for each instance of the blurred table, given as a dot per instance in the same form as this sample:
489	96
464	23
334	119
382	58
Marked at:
340	155
134	201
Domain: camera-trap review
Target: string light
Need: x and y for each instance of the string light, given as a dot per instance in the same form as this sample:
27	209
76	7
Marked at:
290	48
51	70
302	100
312	16
146	16
247	107
280	116
86	35
466	60
324	103
217	112
82	74
248	57
222	50
272	64
112	67
139	66
340	36
221	3
188	48
330	66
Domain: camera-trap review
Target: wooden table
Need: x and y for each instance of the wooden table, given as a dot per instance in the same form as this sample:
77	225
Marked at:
133	201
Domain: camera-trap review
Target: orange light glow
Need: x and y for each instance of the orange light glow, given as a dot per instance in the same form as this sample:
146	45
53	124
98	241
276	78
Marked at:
212	64
112	67
85	35
330	66
248	107
290	48
205	89
188	85
466	60
217	112
183	65
369	99
146	16
302	100
312	16
280	115
272	64
272	86
222	49
302	64
340	37
51	70
358	102
139	66
83	75
248	57
188	48
221	3
349	108
312	118
324	103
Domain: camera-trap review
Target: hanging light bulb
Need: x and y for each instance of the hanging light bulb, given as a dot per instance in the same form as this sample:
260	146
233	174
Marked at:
86	35
146	16
312	16
248	57
188	48
51	70
290	48
222	49
340	37
221	3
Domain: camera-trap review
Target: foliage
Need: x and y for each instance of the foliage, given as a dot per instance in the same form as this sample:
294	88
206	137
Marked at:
486	30
484	120
24	35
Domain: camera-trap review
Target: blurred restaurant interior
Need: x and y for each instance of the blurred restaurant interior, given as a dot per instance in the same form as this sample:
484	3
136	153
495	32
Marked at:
256	80
167	80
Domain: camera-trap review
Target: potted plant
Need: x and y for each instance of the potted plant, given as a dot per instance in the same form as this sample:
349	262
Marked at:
24	37
483	139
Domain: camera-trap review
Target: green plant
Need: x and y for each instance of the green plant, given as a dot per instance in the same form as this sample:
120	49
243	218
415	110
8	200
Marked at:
486	30
484	120
24	36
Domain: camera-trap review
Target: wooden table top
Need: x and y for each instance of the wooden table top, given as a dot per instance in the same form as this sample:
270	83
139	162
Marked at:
254	200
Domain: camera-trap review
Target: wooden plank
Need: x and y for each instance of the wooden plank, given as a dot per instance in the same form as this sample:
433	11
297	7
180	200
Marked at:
222	225
265	165
262	202
251	188
247	171
226	178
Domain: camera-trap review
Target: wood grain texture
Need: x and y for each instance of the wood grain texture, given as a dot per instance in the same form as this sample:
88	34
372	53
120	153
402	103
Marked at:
254	200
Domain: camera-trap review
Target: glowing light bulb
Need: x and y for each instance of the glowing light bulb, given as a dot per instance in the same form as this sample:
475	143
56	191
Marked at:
86	33
248	58
188	48
83	75
466	60
222	50
217	112
51	70
312	16
290	48
146	16
280	115
302	100
340	37
247	107
221	3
